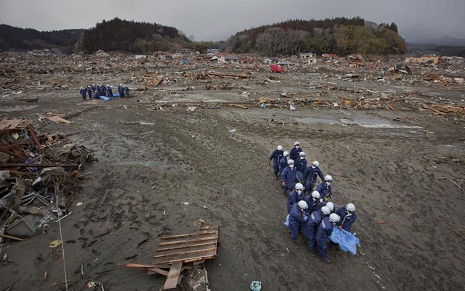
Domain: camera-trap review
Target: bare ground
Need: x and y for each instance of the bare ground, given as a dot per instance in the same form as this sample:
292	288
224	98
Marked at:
159	171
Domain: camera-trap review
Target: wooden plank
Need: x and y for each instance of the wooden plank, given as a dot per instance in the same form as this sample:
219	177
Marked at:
188	241
187	258
175	253
194	245
11	237
173	276
56	118
135	265
189	235
209	227
157	271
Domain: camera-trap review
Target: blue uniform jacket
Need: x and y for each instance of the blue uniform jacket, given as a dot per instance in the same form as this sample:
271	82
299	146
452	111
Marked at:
289	177
312	205
293	198
301	165
296	218
324	230
346	220
311	174
282	164
325	190
310	226
276	156
294	153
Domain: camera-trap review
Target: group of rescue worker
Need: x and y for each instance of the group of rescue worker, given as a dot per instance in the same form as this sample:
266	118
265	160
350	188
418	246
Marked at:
95	91
309	212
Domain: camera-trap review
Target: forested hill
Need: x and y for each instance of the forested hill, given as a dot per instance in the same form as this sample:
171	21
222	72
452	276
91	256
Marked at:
336	35
28	39
130	36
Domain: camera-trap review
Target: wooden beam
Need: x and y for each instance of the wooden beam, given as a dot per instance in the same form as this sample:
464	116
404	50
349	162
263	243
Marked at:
184	253
189	234
15	165
186	241
11	237
157	271
186	246
173	276
135	265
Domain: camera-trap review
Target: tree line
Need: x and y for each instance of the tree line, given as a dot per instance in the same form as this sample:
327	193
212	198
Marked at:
336	35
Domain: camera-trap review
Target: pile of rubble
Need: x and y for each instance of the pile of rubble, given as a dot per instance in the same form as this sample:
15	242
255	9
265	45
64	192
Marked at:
39	177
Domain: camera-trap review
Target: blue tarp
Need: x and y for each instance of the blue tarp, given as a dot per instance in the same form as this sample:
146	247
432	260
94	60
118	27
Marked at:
346	240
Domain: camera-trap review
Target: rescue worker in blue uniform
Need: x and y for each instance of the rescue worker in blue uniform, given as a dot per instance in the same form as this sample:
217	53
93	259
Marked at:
310	176
288	177
102	90
348	216
310	226
126	91
83	93
89	92
301	166
296	218
324	230
294	153
295	196
283	162
109	91
275	157
121	90
313	201
325	188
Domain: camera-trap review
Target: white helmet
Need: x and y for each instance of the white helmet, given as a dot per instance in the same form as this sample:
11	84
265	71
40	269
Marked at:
286	153
328	178
290	162
330	205
302	154
299	186
280	148
316	194
325	210
315	163
302	204
296	143
350	207
333	217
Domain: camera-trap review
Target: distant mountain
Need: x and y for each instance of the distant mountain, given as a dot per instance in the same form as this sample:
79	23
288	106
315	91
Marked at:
442	40
421	35
28	39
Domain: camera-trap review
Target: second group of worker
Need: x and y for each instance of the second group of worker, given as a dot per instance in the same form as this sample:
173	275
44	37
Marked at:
310	212
95	91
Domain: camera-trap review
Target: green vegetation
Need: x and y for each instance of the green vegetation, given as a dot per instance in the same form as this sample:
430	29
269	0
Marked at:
130	36
338	35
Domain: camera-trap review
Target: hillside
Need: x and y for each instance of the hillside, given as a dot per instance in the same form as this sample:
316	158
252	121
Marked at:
337	35
130	36
28	39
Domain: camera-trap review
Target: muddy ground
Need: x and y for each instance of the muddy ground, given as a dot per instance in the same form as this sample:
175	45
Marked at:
160	170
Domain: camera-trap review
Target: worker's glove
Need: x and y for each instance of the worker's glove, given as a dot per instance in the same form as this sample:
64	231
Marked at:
321	200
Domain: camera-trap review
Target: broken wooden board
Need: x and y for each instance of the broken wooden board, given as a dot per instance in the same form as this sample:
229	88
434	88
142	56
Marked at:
173	276
58	119
191	247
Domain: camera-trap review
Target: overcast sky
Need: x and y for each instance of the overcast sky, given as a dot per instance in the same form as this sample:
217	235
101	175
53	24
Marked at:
218	19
